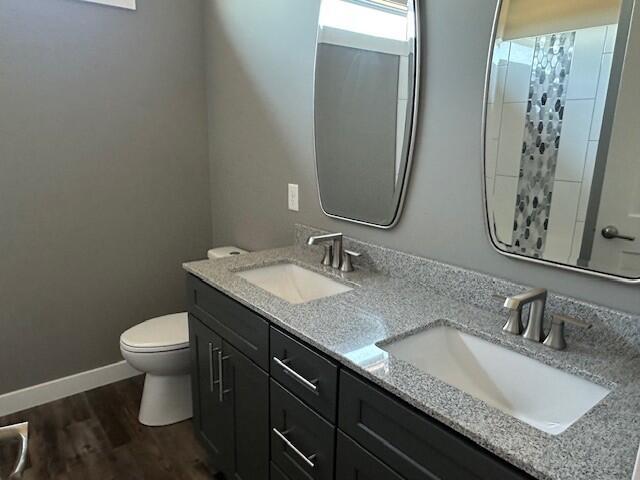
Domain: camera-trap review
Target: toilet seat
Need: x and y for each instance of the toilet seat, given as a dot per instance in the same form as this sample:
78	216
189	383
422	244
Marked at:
161	334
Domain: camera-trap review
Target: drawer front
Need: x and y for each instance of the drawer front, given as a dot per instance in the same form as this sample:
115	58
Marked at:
302	442
276	473
410	443
354	463
307	374
238	325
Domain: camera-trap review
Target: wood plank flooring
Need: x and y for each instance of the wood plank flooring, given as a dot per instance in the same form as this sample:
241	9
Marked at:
96	435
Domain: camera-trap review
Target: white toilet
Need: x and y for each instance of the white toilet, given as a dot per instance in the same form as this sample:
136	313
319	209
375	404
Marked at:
160	348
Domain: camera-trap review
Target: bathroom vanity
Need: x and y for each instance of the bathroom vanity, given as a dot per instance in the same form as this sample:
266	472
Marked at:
317	389
259	389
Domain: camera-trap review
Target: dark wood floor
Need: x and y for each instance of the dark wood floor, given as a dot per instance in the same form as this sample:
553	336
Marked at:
96	435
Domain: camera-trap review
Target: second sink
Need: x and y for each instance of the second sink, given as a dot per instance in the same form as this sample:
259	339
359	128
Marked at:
293	283
542	396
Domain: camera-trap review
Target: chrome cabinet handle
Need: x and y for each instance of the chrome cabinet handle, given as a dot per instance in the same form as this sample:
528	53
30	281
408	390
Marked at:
212	380
20	432
612	231
308	460
289	371
220	382
221	389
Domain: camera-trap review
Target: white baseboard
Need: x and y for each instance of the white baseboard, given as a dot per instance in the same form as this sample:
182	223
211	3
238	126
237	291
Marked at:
19	400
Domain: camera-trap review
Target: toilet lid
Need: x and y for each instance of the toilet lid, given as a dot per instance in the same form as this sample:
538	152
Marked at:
170	332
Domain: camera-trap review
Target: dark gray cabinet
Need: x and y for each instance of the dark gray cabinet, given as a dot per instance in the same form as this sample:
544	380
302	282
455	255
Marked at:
230	384
354	463
305	373
211	418
246	331
231	408
276	473
409	442
245	390
302	442
312	419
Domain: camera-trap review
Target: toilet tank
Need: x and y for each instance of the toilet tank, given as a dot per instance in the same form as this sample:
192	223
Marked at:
221	252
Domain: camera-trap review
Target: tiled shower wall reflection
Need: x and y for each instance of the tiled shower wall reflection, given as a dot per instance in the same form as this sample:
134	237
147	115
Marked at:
550	76
585	99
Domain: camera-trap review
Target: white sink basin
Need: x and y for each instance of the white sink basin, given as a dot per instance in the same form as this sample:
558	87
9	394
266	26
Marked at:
293	283
542	396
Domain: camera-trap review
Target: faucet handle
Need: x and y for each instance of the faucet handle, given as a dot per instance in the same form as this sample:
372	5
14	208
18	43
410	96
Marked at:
347	256
555	339
514	324
328	254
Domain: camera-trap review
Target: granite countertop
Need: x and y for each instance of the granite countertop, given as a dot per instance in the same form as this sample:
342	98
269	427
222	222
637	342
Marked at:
601	445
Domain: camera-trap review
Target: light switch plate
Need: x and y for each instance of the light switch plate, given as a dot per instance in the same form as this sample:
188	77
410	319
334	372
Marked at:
293	197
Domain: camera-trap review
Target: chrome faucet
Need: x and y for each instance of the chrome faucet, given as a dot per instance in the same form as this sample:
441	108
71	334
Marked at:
332	254
537	297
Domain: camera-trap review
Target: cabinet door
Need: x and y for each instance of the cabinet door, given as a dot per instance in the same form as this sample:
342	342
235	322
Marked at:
354	463
211	417
245	390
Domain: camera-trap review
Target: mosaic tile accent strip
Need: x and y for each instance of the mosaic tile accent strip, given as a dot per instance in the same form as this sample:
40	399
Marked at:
541	141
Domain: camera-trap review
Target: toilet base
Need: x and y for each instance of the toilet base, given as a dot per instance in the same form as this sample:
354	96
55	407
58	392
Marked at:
165	400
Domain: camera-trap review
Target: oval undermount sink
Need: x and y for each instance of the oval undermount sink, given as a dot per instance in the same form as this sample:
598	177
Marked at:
293	283
542	396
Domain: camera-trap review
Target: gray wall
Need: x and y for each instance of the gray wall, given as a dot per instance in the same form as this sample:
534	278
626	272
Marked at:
260	70
103	176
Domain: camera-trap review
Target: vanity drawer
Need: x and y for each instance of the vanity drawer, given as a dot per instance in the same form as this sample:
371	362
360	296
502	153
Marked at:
307	374
307	450
411	443
276	473
354	463
245	330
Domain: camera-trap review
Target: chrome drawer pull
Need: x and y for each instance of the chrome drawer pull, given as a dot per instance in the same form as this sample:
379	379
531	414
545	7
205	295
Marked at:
307	460
289	371
212	381
18	432
221	391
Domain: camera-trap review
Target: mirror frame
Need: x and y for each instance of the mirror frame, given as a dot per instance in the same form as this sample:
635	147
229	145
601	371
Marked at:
412	132
624	25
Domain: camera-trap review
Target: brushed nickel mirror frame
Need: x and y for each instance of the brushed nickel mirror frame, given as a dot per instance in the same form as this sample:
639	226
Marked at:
406	174
626	13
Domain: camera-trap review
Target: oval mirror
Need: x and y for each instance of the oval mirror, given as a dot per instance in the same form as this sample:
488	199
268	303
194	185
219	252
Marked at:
366	91
561	169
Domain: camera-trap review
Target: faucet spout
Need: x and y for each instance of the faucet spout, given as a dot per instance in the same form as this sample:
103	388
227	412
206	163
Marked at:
337	251
537	297
518	301
316	239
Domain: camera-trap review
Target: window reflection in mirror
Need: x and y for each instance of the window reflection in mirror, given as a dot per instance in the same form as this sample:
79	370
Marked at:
365	91
557	149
